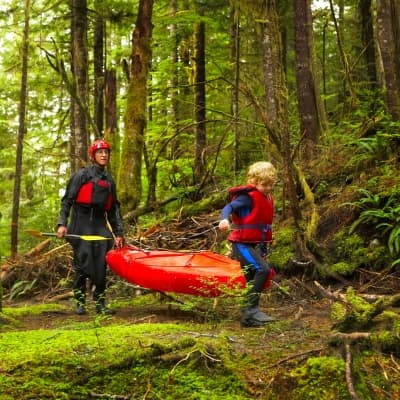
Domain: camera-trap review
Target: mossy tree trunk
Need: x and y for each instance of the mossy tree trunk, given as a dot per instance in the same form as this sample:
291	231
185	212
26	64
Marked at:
199	101
79	100
387	50
278	115
307	93
21	134
129	177
111	118
98	69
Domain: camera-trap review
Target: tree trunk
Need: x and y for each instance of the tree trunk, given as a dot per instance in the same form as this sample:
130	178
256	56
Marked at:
395	7
111	118
129	178
21	134
79	66
235	56
387	48
199	101
98	66
342	54
367	38
307	95
273	67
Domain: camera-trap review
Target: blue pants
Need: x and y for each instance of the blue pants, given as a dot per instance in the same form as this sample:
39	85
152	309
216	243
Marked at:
255	269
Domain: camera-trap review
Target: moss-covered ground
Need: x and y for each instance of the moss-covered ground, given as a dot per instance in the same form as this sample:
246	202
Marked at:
158	348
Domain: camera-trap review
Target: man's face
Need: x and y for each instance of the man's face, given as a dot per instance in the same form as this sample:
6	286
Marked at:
101	157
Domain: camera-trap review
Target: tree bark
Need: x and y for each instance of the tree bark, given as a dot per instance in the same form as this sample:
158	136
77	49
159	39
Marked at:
129	178
111	118
21	134
99	75
199	101
307	94
79	66
367	38
235	56
275	82
387	48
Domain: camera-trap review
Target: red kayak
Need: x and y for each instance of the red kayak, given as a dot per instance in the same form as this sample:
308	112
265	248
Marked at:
202	273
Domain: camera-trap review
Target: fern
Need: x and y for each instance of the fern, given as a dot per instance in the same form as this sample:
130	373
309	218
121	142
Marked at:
384	215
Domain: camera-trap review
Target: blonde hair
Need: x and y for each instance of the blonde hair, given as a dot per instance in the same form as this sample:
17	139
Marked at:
261	172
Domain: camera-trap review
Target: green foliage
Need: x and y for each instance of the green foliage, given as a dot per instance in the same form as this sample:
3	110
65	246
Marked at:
382	214
370	148
21	289
349	253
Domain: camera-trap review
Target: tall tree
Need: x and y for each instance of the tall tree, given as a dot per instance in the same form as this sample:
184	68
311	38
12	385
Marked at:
387	50
235	57
98	69
21	132
277	123
342	53
368	42
129	177
79	101
111	117
199	101
307	94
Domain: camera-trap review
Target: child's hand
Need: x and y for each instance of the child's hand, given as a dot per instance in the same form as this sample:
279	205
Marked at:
224	225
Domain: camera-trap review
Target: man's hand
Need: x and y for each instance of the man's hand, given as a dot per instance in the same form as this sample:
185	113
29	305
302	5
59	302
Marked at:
61	231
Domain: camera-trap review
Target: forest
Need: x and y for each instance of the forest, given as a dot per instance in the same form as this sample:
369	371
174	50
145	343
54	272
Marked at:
189	93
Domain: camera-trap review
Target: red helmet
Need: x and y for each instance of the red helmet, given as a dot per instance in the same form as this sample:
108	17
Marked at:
97	145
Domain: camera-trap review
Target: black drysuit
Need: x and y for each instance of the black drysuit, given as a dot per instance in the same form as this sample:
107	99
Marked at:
90	218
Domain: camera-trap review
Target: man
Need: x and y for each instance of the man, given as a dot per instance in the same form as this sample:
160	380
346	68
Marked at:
91	194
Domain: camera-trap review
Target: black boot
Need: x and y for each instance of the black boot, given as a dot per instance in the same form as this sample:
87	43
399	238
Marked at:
251	314
253	317
80	309
80	302
102	309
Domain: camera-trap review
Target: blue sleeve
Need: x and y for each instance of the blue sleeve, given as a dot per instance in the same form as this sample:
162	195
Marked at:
237	205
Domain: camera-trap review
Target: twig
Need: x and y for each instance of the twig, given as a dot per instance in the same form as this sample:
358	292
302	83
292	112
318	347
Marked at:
330	295
108	396
349	337
349	378
298	355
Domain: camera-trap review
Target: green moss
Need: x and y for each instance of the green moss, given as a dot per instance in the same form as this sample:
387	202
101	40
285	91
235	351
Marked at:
349	247
320	378
119	359
283	248
338	311
34	309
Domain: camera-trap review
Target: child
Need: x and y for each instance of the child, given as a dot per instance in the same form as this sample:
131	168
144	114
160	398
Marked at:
251	209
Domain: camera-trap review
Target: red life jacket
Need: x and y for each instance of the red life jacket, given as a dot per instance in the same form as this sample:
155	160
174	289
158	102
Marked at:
95	193
256	227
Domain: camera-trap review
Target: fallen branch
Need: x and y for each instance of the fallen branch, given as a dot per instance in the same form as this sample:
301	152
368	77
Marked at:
330	295
298	355
349	377
350	337
109	396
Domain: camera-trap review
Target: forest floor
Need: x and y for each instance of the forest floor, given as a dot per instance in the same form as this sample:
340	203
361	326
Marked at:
303	326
